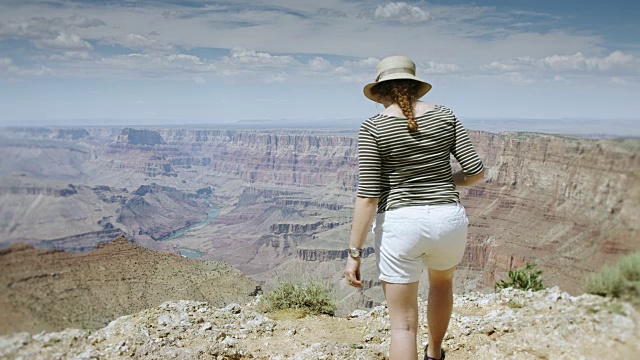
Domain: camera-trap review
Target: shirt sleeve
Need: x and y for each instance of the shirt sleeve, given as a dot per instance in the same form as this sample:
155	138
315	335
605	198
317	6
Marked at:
368	161
464	152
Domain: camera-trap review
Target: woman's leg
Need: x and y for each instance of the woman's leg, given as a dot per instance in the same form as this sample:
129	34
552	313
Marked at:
402	300
439	308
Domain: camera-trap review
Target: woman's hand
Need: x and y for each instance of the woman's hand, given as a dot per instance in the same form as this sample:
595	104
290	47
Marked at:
352	272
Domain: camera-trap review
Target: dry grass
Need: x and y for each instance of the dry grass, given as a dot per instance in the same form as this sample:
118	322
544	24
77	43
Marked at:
621	280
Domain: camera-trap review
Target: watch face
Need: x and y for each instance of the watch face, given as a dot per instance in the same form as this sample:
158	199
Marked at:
354	252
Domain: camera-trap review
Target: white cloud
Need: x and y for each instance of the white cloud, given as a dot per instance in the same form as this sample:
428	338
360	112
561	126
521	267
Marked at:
440	68
560	79
368	63
137	42
517	78
156	64
32	29
340	70
402	12
251	57
319	64
71	55
64	41
199	80
578	61
36	71
79	21
513	64
7	66
616	61
46	28
277	78
618	80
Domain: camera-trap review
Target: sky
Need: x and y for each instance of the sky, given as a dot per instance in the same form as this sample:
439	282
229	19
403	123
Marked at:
205	62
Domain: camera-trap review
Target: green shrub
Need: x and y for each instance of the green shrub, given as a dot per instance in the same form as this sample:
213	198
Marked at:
621	280
608	282
309	296
526	278
630	266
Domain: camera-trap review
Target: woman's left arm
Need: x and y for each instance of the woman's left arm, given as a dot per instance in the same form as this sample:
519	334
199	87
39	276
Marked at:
363	213
367	196
365	209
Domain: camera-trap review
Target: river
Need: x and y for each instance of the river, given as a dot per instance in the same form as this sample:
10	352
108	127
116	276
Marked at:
188	252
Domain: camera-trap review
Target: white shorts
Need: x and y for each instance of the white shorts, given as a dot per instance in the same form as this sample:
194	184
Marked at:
410	238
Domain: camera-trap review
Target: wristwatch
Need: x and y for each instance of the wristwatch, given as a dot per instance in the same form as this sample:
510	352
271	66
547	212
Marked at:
355	252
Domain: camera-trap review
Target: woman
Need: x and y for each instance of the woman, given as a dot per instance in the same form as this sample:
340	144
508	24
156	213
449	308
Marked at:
406	181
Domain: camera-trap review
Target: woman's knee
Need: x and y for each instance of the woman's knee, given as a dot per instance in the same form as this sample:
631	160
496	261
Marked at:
402	300
441	278
411	327
406	320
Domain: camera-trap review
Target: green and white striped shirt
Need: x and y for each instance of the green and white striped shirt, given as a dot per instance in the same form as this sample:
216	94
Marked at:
405	168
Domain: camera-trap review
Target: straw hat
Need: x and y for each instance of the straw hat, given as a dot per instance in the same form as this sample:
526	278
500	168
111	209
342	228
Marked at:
393	68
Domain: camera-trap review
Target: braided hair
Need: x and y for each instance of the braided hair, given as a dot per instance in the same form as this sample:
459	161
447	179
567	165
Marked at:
402	92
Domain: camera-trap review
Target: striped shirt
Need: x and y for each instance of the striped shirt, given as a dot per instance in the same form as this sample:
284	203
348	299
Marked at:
405	168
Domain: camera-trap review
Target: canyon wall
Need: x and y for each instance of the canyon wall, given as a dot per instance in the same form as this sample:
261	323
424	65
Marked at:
569	204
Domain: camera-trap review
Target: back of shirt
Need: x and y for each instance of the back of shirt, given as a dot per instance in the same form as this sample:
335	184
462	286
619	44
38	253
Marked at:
405	168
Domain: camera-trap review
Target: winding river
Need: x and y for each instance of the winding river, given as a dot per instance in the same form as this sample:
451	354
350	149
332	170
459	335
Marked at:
187	252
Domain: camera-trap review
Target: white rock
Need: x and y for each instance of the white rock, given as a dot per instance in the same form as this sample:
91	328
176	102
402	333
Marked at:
205	327
164	319
233	308
357	313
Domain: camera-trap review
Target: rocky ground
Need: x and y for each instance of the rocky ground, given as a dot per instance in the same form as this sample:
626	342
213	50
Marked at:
512	324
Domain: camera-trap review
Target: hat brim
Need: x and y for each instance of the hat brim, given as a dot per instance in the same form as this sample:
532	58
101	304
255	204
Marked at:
422	90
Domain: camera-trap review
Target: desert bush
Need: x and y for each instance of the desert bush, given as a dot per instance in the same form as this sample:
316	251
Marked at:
621	280
311	296
607	282
526	278
630	266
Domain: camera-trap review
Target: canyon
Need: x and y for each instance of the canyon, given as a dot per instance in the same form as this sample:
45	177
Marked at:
283	200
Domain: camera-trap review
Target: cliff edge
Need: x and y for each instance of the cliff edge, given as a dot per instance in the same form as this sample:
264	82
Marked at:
52	290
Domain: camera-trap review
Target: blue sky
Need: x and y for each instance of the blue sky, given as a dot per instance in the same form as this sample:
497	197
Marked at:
146	62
